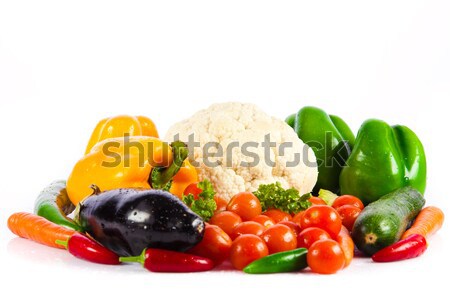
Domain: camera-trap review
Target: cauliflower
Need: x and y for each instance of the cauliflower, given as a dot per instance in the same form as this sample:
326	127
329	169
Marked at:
232	149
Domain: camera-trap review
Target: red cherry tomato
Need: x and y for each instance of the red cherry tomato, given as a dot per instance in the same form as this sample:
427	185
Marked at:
322	216
264	220
277	215
226	220
348	200
348	213
221	203
279	238
247	227
310	235
246	205
246	249
325	257
193	189
215	245
317	201
292	225
297	218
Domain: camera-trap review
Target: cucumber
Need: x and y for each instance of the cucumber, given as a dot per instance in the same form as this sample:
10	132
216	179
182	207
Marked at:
383	222
54	204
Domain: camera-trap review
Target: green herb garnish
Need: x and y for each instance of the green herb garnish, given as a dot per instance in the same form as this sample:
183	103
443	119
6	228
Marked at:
275	196
205	205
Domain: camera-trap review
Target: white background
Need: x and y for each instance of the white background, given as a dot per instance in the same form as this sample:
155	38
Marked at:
65	65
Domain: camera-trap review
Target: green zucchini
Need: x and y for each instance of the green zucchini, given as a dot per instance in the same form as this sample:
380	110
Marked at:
383	222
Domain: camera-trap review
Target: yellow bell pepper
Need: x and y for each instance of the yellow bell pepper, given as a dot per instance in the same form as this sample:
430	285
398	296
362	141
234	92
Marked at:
120	126
118	160
184	177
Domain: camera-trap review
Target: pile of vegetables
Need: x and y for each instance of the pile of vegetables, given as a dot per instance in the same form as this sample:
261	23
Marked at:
133	197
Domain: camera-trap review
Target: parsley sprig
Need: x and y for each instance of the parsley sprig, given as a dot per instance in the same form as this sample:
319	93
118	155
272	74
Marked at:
275	196
205	205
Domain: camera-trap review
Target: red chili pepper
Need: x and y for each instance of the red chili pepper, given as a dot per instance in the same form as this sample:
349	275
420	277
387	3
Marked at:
83	247
413	246
159	260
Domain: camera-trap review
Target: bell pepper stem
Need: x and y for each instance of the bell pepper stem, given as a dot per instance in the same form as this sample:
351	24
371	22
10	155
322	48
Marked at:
161	177
134	259
62	243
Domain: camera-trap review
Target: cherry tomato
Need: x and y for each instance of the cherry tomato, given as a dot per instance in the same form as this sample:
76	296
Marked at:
246	249
322	216
346	242
311	235
348	200
297	218
277	215
317	201
348	214
215	245
247	227
279	238
325	257
226	220
292	225
246	205
221	203
264	220
193	189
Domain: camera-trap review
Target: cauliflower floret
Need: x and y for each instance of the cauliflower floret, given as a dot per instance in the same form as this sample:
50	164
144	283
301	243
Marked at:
234	154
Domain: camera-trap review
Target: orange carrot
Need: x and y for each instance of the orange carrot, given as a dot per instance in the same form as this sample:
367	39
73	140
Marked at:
429	220
345	240
38	229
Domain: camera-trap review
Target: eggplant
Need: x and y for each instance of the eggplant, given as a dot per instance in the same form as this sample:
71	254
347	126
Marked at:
127	221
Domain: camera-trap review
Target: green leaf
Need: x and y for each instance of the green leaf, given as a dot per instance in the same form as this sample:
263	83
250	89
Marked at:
275	196
188	199
205	205
207	189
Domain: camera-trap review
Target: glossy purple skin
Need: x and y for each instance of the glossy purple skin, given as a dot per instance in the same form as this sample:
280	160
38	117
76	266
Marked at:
127	221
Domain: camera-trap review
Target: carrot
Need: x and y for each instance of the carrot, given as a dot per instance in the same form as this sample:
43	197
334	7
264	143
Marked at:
345	240
429	220
38	229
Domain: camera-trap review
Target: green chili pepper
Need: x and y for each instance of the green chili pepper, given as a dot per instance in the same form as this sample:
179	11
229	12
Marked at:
53	204
282	262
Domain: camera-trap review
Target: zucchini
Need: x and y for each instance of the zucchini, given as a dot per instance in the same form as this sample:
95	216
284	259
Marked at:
383	222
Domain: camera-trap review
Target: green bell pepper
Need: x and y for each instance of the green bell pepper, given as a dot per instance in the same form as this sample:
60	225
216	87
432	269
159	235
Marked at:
282	262
384	159
331	140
